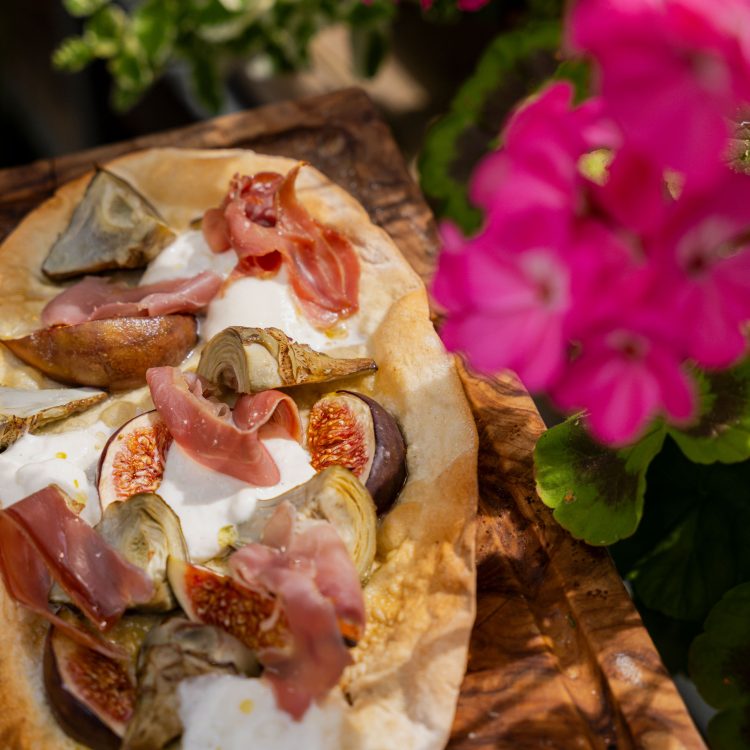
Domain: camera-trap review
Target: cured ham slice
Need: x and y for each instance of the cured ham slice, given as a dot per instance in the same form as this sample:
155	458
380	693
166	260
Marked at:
262	220
204	429
94	298
41	539
312	574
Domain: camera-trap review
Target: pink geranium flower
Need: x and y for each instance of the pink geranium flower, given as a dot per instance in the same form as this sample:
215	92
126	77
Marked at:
532	188
704	254
671	73
504	310
623	379
635	193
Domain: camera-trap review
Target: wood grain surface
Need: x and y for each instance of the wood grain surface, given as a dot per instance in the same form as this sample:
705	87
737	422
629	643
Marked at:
559	657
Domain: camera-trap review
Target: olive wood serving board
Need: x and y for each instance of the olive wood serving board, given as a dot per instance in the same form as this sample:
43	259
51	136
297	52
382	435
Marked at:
559	657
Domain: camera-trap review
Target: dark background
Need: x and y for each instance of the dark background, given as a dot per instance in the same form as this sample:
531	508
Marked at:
47	113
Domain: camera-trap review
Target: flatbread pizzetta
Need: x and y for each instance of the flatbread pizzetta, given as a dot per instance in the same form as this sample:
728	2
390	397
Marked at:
271	541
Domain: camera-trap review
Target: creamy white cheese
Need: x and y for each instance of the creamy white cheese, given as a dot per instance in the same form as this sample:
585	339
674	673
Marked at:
187	256
233	713
207	501
67	459
266	303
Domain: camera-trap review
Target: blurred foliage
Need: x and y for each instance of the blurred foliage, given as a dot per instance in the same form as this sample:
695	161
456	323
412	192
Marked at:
512	67
720	667
206	35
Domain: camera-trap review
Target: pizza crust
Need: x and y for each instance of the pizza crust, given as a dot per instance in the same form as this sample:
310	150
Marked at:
421	598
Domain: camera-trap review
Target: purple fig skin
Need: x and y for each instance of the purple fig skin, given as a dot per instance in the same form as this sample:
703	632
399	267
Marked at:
388	470
74	718
113	353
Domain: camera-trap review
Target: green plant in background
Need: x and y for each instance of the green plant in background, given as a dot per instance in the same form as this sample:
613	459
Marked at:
206	35
513	65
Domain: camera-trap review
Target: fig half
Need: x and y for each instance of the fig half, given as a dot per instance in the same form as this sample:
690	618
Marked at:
133	459
250	360
353	430
23	410
146	532
252	617
91	695
113	226
113	353
174	651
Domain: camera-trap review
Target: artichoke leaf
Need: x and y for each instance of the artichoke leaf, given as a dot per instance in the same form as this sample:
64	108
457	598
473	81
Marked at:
113	227
25	410
174	651
146	531
334	495
250	360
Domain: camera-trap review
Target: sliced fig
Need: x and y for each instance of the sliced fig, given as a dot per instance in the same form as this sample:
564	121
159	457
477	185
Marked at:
146	532
252	617
249	360
113	353
334	495
174	651
113	226
24	410
132	461
353	430
91	695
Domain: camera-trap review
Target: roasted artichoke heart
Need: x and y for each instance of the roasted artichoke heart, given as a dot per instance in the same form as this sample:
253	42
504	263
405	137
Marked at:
113	226
146	531
250	360
334	495
173	652
24	410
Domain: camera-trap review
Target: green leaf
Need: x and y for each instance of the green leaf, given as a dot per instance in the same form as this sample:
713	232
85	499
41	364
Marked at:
720	668
204	75
81	8
105	31
722	433
73	54
694	540
687	573
596	491
154	25
514	65
132	76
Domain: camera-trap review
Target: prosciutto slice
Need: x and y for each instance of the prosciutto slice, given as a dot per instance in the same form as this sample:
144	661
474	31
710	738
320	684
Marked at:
318	588
41	539
94	298
323	266
205	430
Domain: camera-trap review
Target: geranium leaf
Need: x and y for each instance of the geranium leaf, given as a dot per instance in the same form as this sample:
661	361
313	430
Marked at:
694	542
514	64
719	665
596	491
722	432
